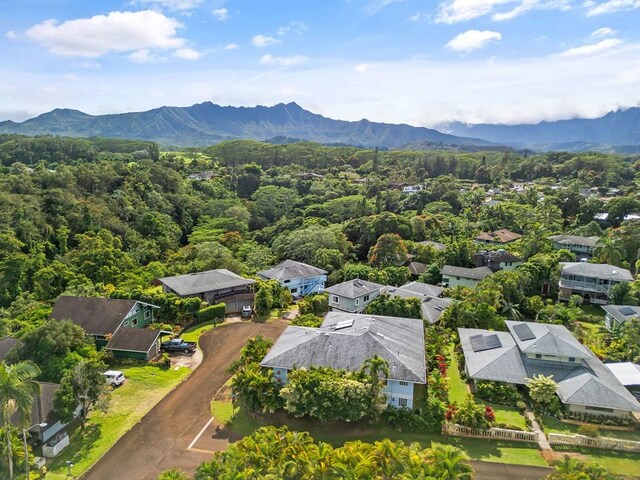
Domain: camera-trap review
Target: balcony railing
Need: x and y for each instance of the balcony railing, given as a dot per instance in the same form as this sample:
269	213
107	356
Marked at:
584	286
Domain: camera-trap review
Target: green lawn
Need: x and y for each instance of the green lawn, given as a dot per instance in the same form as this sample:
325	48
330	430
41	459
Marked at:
552	425
508	415
457	387
593	310
193	334
145	386
338	433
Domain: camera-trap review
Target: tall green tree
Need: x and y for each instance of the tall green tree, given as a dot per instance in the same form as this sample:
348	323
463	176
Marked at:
609	250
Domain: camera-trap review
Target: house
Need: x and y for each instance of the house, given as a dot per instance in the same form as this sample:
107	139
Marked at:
490	202
592	281
431	302
582	247
438	247
584	383
353	295
616	315
301	279
497	260
628	374
453	276
412	189
6	345
346	341
213	286
416	268
42	411
138	343
499	236
101	318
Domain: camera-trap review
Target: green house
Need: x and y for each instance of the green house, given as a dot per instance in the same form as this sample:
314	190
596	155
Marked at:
104	318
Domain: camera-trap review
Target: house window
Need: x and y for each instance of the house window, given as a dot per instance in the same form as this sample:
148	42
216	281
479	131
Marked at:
572	359
403	384
147	314
538	356
294	290
335	299
357	302
366	298
402	402
134	322
287	281
599	409
126	323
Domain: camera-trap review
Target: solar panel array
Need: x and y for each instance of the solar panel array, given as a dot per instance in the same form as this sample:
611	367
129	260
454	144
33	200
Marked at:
344	324
626	311
523	332
480	343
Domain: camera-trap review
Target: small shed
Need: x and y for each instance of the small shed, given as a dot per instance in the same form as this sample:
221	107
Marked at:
138	343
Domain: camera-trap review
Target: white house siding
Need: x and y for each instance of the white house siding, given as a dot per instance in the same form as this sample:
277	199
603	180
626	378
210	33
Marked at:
509	266
612	413
399	392
351	305
459	281
305	286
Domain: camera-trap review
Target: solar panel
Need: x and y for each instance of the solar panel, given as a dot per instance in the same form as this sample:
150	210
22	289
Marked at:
626	311
344	324
523	332
480	343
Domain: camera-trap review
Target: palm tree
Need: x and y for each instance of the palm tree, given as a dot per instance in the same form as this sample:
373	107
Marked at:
376	369
173	474
512	310
609	250
17	388
447	461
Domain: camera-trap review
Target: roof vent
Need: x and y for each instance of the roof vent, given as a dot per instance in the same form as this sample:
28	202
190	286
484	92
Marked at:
344	324
614	272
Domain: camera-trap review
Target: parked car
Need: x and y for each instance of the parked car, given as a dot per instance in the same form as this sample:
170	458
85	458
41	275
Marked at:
178	345
114	377
247	311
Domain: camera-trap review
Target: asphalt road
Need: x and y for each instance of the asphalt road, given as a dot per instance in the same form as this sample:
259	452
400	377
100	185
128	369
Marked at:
161	439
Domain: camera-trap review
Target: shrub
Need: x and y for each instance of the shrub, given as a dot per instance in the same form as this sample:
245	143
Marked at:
316	304
499	393
307	320
521	406
211	313
589	431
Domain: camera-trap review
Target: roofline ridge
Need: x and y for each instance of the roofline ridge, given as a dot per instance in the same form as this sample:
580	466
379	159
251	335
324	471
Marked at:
396	357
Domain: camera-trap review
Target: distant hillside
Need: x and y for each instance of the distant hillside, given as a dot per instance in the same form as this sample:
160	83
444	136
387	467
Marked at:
620	128
206	124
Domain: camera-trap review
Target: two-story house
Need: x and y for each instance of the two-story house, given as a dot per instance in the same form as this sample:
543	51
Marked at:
453	276
213	286
618	315
301	279
591	281
497	260
346	341
584	383
432	304
581	247
353	295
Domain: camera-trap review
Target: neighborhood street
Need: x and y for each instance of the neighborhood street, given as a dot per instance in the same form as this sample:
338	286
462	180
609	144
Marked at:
162	439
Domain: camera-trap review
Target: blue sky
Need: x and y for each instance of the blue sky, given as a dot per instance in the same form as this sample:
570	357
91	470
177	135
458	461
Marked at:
422	62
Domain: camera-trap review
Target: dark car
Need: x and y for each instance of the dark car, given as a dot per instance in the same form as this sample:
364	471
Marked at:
178	345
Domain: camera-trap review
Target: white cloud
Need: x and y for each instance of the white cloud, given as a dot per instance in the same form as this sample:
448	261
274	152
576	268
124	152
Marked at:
221	14
453	11
283	61
525	6
364	67
187	54
264	41
378	5
12	35
231	46
611	6
114	32
603	32
70	77
142	56
473	40
293	27
593	49
174	4
416	17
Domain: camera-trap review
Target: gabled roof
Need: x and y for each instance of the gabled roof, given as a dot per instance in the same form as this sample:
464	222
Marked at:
548	339
574	240
622	313
477	273
98	316
201	282
133	339
42	410
290	269
584	388
417	268
432	308
431	305
437	245
345	341
499	236
6	344
423	288
627	373
354	288
596	270
499	256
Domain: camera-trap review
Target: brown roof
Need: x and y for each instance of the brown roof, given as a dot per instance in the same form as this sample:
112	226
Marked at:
499	236
42	407
417	268
133	339
6	344
98	316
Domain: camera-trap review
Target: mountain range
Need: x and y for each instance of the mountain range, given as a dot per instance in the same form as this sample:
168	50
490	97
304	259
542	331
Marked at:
207	123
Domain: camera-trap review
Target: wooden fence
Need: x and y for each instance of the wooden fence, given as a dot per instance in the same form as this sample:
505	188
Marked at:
584	441
456	430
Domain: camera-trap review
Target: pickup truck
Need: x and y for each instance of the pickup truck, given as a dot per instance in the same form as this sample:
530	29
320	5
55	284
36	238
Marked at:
178	345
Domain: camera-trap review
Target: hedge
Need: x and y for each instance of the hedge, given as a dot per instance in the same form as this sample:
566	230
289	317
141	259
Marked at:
212	312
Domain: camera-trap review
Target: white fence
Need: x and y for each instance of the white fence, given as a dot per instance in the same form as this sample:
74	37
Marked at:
493	433
604	443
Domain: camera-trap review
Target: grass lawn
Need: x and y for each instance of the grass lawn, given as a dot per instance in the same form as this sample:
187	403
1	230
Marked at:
337	434
593	310
146	385
508	415
457	387
552	425
193	334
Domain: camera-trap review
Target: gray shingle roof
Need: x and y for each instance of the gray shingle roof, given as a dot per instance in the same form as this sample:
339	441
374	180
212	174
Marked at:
627	373
354	288
587	383
477	273
6	344
98	316
596	270
423	288
133	339
290	269
619	312
549	340
400	341
431	306
499	256
574	240
201	282
438	246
